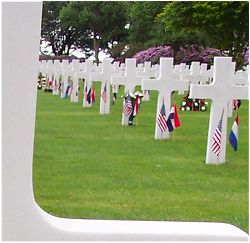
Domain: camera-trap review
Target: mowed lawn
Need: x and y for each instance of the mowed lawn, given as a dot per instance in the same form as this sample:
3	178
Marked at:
87	165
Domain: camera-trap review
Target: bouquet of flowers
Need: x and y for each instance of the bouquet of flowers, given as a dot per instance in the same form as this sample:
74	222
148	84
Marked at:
193	105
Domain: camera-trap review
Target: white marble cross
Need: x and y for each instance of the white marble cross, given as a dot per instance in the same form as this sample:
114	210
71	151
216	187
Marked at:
220	91
195	75
49	72
130	80
86	75
165	84
239	78
75	80
105	78
65	77
147	72
56	79
117	69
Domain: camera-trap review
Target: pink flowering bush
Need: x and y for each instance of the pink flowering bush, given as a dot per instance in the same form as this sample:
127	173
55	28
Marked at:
196	53
185	54
153	54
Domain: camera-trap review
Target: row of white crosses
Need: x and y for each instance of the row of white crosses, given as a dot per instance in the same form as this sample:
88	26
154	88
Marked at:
225	87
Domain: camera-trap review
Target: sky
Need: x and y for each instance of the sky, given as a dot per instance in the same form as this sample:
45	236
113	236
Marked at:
78	53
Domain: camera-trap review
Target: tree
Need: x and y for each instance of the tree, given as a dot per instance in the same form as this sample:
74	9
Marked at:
103	22
143	28
61	38
224	24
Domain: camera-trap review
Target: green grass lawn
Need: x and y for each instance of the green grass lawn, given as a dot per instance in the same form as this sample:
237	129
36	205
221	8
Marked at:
87	165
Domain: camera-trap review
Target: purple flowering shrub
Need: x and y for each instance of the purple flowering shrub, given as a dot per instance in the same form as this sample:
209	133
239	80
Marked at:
196	53
185	54
153	54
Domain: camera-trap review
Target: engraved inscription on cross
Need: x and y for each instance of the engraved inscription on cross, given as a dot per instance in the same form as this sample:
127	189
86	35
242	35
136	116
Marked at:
165	84
220	91
129	80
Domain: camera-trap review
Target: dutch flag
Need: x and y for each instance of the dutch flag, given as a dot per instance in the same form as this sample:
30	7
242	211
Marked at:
233	136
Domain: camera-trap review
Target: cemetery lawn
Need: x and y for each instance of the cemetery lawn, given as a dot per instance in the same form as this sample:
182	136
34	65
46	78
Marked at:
88	166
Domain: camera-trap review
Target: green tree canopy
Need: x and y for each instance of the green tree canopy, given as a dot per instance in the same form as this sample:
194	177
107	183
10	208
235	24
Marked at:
224	24
60	38
143	27
103	22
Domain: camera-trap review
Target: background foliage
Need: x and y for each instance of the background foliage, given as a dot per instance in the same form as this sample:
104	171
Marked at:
121	29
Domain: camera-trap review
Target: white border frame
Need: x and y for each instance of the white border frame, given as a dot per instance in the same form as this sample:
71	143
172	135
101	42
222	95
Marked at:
22	218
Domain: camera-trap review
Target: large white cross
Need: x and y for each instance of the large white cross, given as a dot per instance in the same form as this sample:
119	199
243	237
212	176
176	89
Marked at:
130	80
105	78
165	84
220	91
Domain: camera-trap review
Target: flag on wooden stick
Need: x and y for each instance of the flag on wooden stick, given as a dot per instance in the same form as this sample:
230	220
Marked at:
93	94
173	120
233	136
162	119
104	93
216	145
136	106
89	94
128	108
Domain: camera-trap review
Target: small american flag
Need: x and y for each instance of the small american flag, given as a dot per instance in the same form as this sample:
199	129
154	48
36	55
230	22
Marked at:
161	119
128	108
217	137
104	94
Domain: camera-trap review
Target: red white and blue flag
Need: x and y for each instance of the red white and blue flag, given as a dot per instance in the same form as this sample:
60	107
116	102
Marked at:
104	93
173	120
162	119
128	108
216	145
233	136
93	94
89	94
67	91
236	104
136	106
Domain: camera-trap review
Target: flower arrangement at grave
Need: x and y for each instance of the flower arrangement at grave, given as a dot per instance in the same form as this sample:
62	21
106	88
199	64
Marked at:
132	105
188	104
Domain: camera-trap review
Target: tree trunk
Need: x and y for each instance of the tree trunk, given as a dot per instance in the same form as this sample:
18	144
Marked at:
96	48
